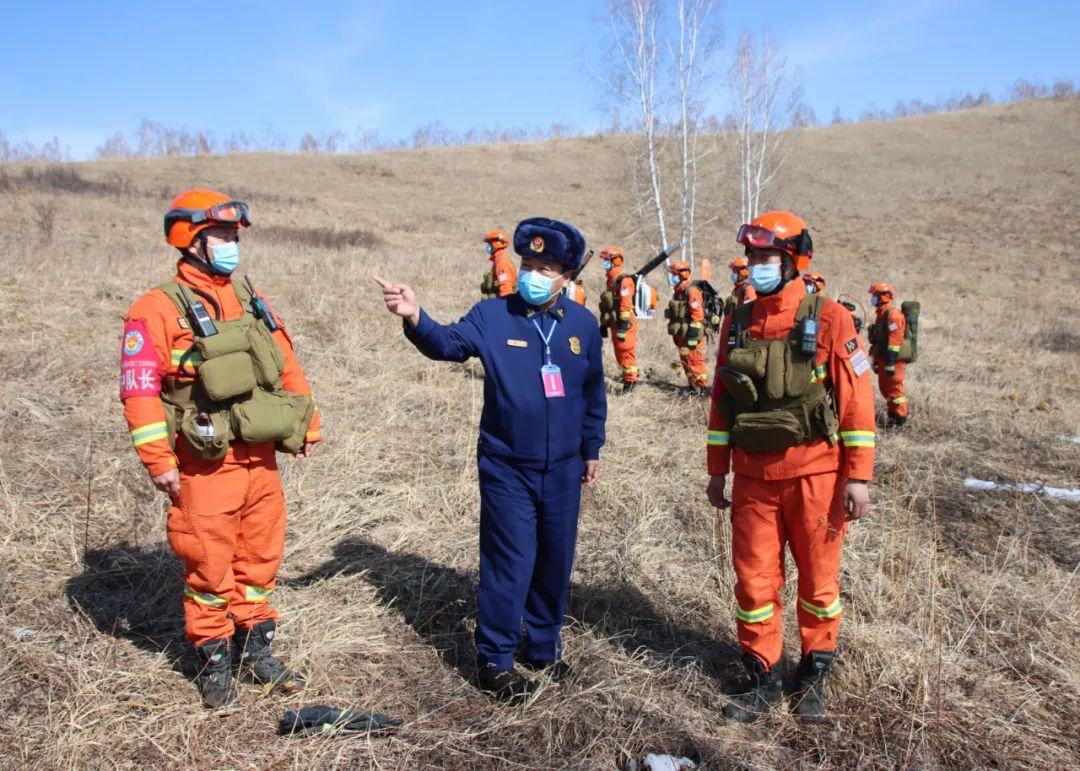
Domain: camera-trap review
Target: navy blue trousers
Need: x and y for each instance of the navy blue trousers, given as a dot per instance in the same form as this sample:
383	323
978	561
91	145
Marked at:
528	529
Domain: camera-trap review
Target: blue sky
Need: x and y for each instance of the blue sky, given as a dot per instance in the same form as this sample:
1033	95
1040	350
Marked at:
82	71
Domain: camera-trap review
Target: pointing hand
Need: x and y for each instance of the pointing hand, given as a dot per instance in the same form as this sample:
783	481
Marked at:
400	300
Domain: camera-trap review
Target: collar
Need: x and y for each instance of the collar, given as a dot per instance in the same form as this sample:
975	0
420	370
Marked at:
496	254
788	298
192	275
519	307
684	285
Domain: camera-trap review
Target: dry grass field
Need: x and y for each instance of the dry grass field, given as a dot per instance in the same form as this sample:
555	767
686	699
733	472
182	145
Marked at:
961	636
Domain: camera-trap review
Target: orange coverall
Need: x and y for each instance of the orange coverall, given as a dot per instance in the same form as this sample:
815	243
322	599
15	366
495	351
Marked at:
693	359
504	271
744	292
624	343
795	496
577	292
891	376
228	523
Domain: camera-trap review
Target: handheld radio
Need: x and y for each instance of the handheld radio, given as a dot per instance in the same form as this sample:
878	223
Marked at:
201	322
809	336
260	308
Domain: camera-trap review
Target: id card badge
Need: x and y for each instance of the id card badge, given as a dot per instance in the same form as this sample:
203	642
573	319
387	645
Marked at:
552	377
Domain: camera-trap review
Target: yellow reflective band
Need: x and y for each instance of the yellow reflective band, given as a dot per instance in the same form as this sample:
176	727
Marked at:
894	348
695	323
211	600
624	314
186	357
900	400
820	372
832	611
149	433
857	438
763	613
719	438
257	593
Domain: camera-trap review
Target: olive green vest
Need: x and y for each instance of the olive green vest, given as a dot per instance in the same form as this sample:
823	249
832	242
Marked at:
609	307
489	288
776	396
678	315
237	392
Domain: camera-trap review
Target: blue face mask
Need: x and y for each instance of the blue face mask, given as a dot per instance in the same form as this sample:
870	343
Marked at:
490	249
734	278
224	257
674	280
765	278
875	300
607	265
534	288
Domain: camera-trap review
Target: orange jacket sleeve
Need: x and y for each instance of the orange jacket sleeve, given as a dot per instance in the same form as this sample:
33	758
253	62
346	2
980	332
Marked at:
719	442
293	379
897	325
695	301
505	275
749	294
143	359
626	297
848	367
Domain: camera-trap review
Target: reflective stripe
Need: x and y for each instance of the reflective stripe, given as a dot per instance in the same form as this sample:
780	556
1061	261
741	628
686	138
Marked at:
820	372
894	348
832	611
624	314
211	600
900	400
257	593
695	323
763	613
857	438
149	433
719	438
186	358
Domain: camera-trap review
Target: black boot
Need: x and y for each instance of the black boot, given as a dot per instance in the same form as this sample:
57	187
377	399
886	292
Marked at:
258	665
628	387
765	692
557	669
895	421
215	677
810	696
505	684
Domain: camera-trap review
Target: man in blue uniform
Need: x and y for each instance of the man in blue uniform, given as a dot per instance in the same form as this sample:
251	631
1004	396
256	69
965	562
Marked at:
541	431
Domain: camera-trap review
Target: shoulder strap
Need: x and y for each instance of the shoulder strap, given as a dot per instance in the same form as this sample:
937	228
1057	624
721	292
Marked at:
172	290
809	306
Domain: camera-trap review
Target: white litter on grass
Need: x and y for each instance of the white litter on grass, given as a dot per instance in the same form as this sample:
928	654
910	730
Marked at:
1071	439
661	763
24	633
1024	487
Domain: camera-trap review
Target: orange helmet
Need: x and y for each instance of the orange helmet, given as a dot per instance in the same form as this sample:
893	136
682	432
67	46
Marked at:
193	211
740	267
612	254
497	239
815	279
880	290
678	268
779	230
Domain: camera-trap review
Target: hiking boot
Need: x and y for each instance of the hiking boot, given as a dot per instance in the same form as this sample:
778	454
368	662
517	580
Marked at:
810	694
895	421
557	669
628	388
765	692
256	663
505	684
215	676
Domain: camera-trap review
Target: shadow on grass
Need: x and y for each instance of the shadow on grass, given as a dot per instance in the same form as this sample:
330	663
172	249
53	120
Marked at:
436	601
134	594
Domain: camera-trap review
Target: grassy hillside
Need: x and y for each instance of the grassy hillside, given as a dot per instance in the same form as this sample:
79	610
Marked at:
961	636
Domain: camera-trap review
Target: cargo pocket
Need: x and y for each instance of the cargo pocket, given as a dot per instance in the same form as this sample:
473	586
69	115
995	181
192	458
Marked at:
767	431
749	361
228	376
304	411
264	417
267	356
739	386
230	339
798	371
775	368
207	432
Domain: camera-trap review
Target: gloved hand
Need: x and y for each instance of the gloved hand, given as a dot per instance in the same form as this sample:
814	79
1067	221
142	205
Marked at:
604	331
322	719
693	337
622	329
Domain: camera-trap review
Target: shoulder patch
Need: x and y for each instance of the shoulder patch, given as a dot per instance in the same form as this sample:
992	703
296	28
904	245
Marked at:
851	346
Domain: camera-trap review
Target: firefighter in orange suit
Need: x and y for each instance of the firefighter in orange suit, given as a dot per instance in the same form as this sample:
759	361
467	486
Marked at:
623	318
887	339
502	279
793	418
741	291
687	309
211	387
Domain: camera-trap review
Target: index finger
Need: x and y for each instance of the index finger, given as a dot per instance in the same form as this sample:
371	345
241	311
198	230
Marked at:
383	284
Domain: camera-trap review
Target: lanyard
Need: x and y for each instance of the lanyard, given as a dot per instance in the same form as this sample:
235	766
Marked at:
546	339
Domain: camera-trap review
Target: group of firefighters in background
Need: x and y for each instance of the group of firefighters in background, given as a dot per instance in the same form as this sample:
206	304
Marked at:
691	326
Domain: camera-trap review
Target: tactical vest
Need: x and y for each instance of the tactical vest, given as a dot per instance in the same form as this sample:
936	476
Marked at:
776	396
678	315
609	303
489	287
878	333
237	391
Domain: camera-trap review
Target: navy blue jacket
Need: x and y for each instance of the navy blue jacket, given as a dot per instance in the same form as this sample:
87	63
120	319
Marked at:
519	423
